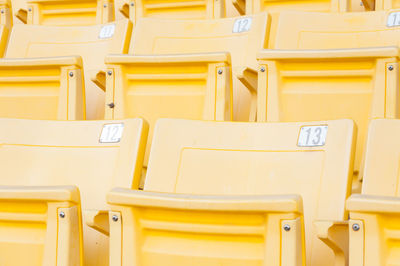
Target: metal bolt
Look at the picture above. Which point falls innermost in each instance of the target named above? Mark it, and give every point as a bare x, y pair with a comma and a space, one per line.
109, 73
390, 67
286, 227
132, 4
115, 218
262, 69
62, 214
111, 105
356, 227
220, 71
104, 5
2, 11
29, 9
71, 74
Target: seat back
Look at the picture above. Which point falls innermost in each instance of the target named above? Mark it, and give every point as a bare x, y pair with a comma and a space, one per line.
242, 37
311, 30
95, 156
225, 158
92, 43
333, 85
70, 13
382, 153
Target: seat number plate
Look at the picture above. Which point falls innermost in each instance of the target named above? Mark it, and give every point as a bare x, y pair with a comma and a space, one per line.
111, 133
242, 25
107, 31
311, 136
393, 19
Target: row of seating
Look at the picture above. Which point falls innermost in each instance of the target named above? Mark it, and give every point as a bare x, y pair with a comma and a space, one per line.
216, 75
90, 12
216, 193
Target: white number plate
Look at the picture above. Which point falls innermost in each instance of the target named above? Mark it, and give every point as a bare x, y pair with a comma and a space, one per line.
242, 25
107, 31
393, 19
111, 133
311, 136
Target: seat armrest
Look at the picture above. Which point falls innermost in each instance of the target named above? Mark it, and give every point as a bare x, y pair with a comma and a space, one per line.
178, 58
249, 78
335, 234
240, 6
280, 203
98, 220
373, 204
389, 51
42, 61
43, 193
124, 9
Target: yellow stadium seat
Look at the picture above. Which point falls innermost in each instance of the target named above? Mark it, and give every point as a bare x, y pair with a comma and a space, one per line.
374, 214
230, 193
172, 9
310, 78
66, 13
44, 163
182, 69
42, 85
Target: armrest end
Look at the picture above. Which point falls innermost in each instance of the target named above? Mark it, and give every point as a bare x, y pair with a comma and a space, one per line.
98, 220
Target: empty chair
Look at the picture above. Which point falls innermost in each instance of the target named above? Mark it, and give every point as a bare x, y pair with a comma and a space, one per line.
374, 214
224, 193
52, 170
66, 13
36, 83
309, 78
182, 69
173, 9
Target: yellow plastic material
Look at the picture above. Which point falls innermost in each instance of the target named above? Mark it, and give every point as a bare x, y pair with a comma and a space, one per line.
70, 12
45, 87
181, 69
315, 84
172, 9
374, 214
276, 6
43, 164
378, 5
222, 193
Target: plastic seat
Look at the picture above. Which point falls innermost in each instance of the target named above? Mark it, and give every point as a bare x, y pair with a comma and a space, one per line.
230, 193
374, 214
50, 171
309, 77
65, 13
182, 69
378, 5
173, 9
36, 83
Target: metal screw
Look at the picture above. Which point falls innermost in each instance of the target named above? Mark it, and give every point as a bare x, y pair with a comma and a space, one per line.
115, 218
62, 214
286, 227
356, 227
104, 5
109, 73
29, 9
220, 71
132, 4
111, 105
71, 74
390, 67
262, 69
2, 11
